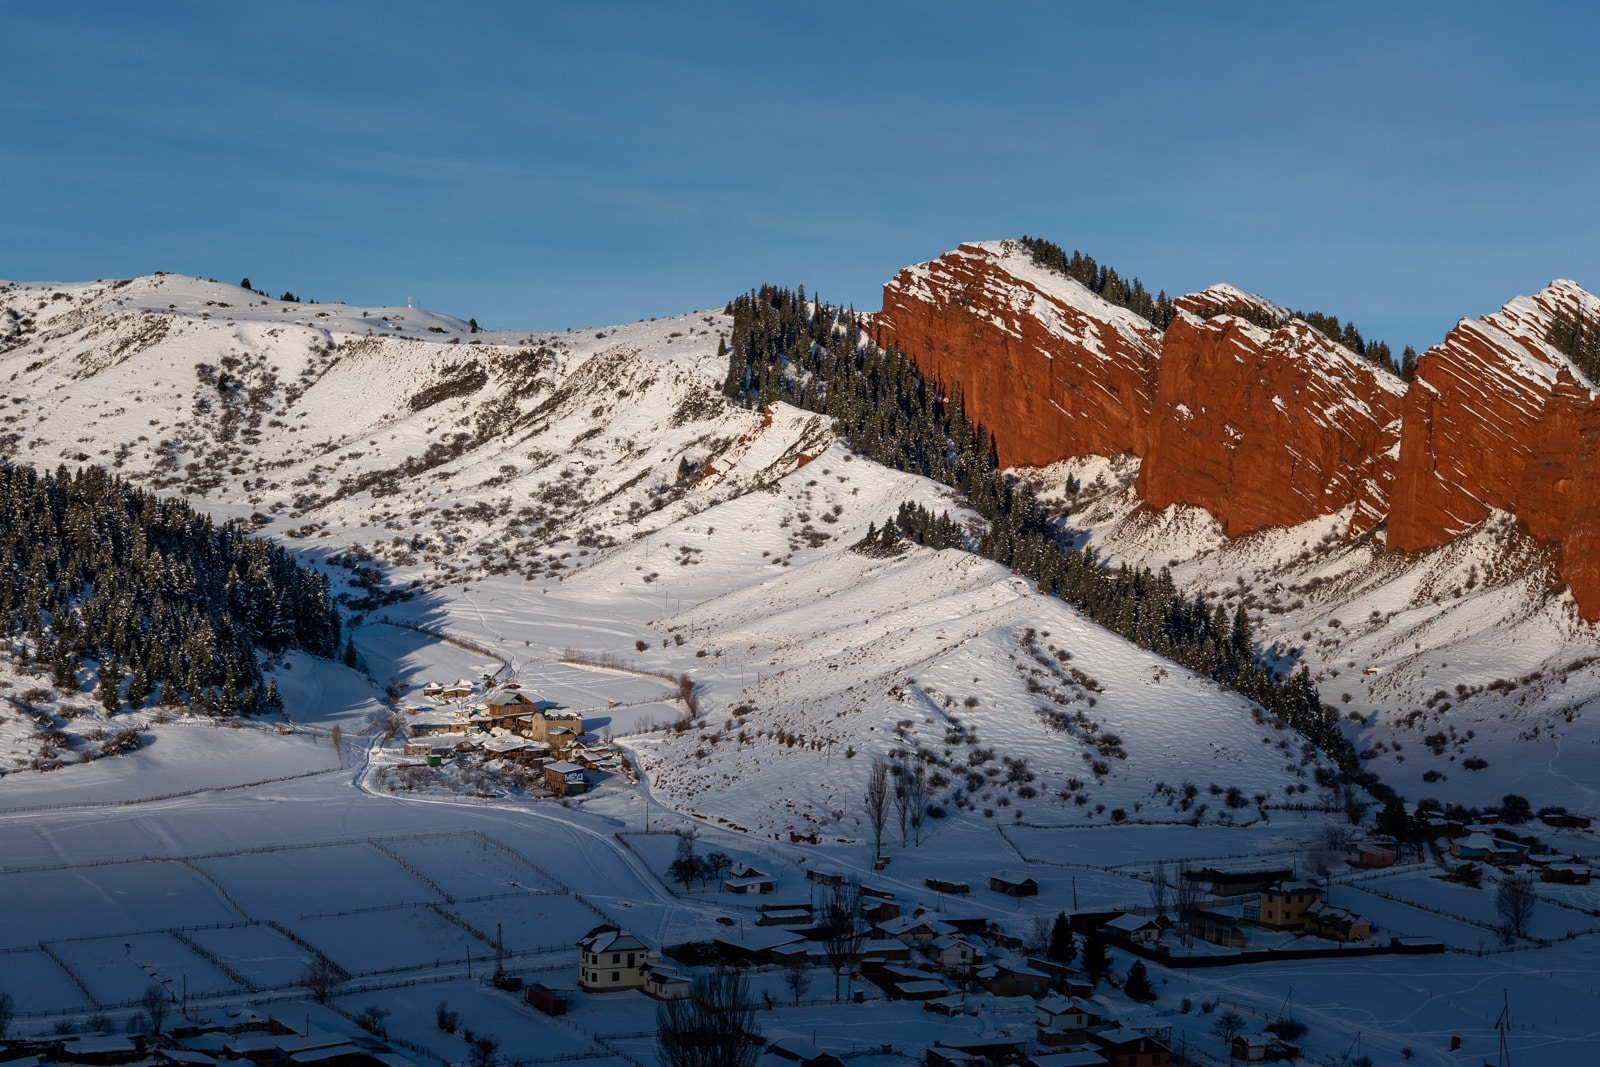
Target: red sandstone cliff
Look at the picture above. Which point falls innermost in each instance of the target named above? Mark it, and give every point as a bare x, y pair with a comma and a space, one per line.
1051, 368
1497, 419
1267, 427
1260, 428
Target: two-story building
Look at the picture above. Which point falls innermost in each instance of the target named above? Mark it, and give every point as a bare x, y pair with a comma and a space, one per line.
609, 959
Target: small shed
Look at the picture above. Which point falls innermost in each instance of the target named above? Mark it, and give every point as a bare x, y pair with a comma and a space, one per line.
1013, 884
545, 999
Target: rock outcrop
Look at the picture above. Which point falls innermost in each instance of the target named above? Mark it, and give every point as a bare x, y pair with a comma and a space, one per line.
1267, 427
1260, 419
1497, 419
1259, 427
1051, 368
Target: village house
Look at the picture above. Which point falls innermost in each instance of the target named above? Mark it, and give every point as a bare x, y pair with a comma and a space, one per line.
432, 690
1262, 1048
1013, 884
792, 1051
609, 959
564, 779
912, 928
1479, 845
1217, 928
1283, 906
876, 910
1137, 929
743, 878
1336, 924
1064, 1020
435, 723
1074, 1057
1130, 1048
1240, 881
460, 689
1004, 980
951, 951
664, 983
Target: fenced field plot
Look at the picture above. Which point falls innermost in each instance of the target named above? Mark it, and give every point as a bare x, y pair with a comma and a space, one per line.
261, 955
376, 942
37, 983
287, 883
113, 898
525, 1035
467, 865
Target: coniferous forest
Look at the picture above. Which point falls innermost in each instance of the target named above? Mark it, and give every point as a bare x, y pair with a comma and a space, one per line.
161, 597
814, 356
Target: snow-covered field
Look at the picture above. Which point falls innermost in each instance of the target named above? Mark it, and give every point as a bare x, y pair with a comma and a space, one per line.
586, 514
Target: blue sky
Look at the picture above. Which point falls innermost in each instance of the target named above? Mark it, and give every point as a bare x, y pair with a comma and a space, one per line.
546, 165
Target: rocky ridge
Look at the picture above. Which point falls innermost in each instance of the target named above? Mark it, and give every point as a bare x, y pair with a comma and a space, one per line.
1270, 427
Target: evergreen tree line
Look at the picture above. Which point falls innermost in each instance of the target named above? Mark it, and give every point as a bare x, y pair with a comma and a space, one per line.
1130, 293
813, 356
156, 593
1579, 341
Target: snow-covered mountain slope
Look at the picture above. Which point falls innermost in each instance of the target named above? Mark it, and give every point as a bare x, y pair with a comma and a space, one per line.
1439, 659
545, 492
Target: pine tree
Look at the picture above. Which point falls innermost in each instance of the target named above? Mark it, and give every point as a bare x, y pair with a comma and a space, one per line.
1063, 946
1137, 984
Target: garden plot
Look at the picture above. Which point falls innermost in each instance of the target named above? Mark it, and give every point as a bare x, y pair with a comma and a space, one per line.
109, 899
1471, 905
580, 688
532, 923
114, 974
260, 954
524, 1034
37, 983
465, 865
1276, 844
390, 940
289, 883
171, 960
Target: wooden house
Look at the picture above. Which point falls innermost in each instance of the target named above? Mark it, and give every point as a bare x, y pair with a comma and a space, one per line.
1004, 980
564, 779
952, 952
1136, 929
743, 878
1130, 1048
1013, 884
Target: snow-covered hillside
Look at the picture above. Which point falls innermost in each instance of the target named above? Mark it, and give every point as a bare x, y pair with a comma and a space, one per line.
1441, 659
548, 492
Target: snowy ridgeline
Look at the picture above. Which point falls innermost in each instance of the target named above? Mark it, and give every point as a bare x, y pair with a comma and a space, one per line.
535, 495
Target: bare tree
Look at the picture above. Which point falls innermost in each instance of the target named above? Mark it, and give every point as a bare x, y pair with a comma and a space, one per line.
322, 977
876, 801
902, 802
8, 1008
1186, 898
483, 1047
1159, 889
714, 1026
916, 787
1515, 900
154, 1001
797, 979
841, 930
1228, 1026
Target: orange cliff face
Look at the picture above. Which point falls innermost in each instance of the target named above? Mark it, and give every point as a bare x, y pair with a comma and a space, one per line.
1268, 427
1258, 427
1499, 420
1050, 368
